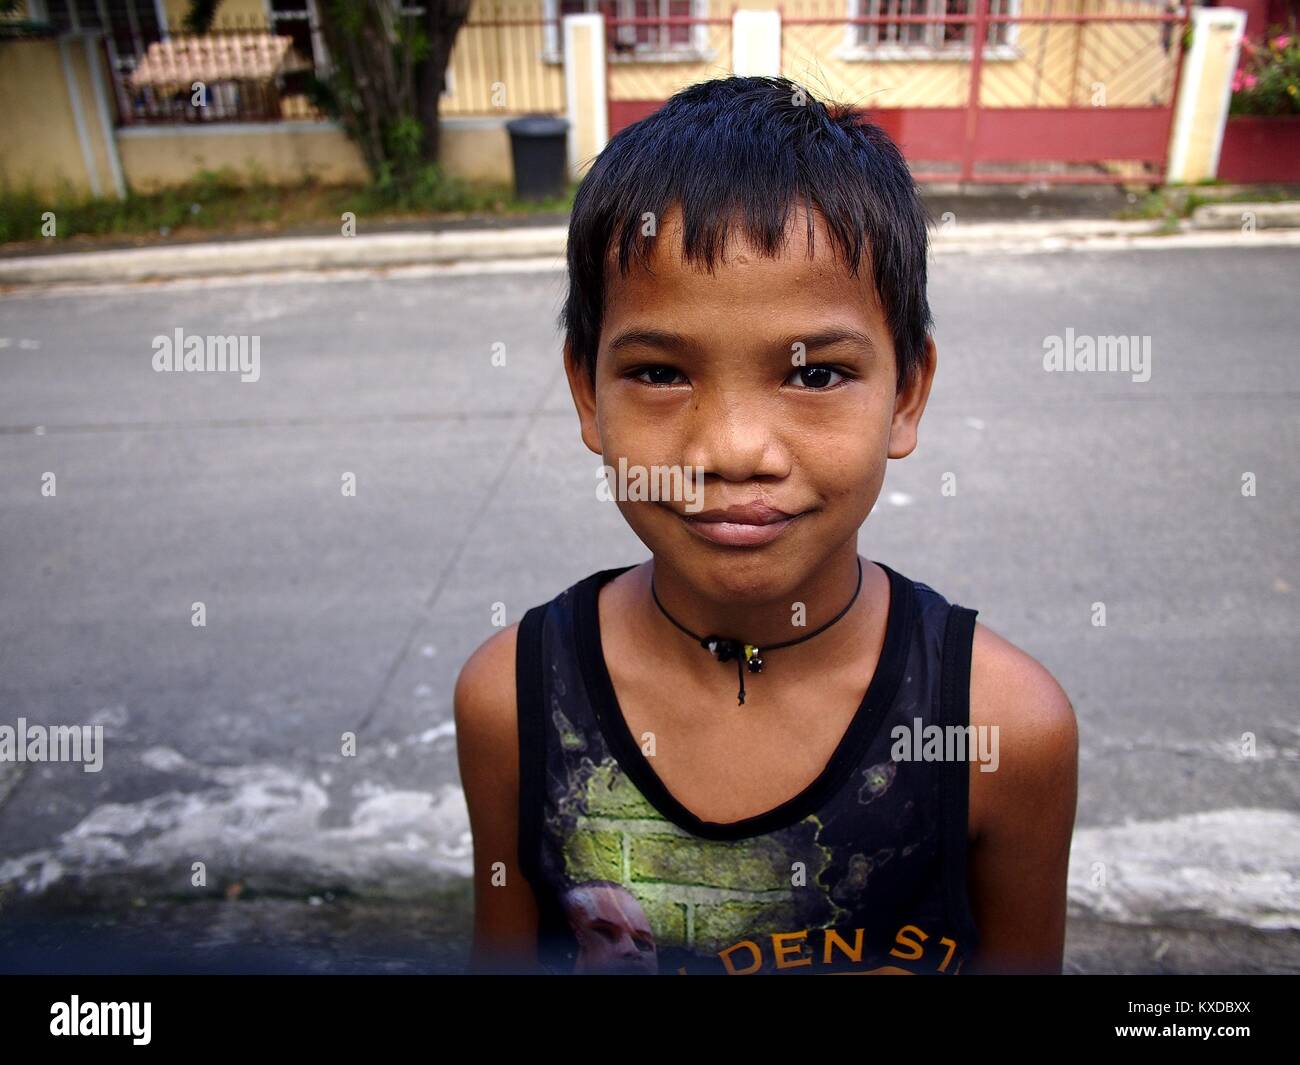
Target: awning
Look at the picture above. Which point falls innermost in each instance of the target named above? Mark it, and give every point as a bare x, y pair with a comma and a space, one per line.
217, 57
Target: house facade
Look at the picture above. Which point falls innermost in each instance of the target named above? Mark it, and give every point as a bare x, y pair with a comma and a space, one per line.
106, 94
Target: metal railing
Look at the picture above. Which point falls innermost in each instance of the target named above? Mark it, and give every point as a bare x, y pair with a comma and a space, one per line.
242, 70
1044, 95
506, 60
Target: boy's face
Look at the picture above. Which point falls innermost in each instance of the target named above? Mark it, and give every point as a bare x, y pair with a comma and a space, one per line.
735, 372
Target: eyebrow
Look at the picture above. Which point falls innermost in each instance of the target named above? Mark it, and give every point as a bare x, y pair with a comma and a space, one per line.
666, 339
636, 930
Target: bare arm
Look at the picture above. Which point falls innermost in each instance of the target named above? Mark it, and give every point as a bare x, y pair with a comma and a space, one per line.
487, 747
1022, 814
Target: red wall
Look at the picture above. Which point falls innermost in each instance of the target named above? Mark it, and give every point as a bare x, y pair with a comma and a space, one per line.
1260, 148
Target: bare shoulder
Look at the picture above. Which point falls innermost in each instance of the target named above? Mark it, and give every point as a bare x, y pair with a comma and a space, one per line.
1016, 689
1036, 732
487, 732
485, 689
1022, 809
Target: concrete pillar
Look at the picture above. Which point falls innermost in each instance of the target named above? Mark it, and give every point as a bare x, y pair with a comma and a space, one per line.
756, 43
1204, 93
584, 90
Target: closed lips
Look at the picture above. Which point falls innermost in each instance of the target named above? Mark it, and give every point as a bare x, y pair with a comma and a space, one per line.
751, 525
748, 514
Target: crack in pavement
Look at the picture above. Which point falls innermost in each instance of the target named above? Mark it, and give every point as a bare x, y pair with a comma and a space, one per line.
454, 555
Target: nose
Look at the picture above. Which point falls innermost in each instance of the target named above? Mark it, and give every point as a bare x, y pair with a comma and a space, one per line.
732, 436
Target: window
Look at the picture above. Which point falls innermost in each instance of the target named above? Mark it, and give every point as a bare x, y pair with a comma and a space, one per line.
653, 38
132, 24
292, 18
647, 41
926, 38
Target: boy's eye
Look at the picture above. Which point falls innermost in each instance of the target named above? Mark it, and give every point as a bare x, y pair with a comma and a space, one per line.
815, 378
657, 375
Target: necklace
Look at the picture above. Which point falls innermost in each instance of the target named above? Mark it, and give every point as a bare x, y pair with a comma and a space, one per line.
747, 655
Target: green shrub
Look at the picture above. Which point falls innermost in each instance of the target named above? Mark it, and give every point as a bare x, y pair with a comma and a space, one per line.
1268, 80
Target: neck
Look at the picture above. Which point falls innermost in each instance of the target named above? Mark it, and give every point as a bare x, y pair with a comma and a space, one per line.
789, 615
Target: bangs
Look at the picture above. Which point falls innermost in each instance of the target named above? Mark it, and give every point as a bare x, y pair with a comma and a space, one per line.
738, 154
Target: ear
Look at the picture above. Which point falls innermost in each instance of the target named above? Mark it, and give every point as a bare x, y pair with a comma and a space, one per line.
909, 404
583, 390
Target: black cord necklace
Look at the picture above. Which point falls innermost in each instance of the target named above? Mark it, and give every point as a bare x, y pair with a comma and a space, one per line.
747, 655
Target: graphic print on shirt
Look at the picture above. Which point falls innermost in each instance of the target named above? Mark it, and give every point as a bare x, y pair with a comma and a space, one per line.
646, 893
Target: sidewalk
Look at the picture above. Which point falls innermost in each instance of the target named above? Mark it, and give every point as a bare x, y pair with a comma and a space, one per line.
984, 219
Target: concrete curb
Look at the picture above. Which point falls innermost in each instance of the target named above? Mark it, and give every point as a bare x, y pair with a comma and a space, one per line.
293, 253
536, 242
980, 233
1237, 215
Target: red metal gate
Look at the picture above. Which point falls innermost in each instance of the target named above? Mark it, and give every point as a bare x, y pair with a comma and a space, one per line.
1079, 97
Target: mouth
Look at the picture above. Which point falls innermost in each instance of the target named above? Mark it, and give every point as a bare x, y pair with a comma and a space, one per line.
751, 525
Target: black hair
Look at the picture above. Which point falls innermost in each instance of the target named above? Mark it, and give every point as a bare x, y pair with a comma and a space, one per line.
744, 147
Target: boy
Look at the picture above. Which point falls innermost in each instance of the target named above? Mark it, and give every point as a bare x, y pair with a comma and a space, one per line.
772, 337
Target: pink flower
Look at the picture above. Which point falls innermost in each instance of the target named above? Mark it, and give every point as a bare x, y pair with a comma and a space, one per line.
1236, 81
1281, 41
1251, 81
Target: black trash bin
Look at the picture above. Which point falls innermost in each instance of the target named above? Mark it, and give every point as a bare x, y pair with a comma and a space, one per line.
539, 146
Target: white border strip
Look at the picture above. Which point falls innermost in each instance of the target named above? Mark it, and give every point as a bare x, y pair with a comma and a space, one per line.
79, 119
105, 120
240, 129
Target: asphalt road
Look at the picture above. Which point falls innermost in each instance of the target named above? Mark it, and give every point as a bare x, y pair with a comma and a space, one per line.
328, 613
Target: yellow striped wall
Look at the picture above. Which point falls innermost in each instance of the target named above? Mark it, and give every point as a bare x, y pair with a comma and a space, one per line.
1056, 64
44, 86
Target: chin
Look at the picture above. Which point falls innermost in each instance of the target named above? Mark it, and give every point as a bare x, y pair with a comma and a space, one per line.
751, 575
756, 582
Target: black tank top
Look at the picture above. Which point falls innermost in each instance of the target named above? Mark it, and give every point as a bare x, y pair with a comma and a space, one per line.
864, 871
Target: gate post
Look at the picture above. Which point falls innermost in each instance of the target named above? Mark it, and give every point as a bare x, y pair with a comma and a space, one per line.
973, 101
755, 43
586, 106
1204, 92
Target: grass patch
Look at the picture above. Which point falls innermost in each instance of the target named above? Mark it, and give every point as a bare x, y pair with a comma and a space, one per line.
1172, 203
227, 202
